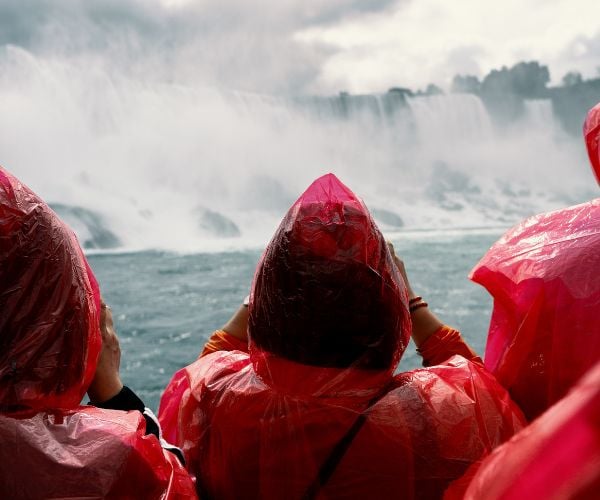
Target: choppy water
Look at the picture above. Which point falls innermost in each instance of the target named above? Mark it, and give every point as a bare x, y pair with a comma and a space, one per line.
166, 305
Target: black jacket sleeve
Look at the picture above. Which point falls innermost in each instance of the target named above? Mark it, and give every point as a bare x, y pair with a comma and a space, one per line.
127, 400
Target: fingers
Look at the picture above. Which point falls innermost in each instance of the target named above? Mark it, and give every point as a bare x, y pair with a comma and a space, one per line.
110, 341
107, 382
391, 248
400, 266
106, 319
396, 259
105, 316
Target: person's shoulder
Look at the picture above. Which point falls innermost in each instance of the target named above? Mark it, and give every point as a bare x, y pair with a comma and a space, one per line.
85, 415
457, 401
444, 382
99, 431
457, 388
217, 366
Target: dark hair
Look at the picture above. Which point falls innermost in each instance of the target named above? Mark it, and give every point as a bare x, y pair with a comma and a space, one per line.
324, 310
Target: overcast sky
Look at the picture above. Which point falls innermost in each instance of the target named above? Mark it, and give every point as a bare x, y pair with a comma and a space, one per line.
309, 46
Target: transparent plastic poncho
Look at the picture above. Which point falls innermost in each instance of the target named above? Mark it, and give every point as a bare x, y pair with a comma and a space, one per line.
543, 275
49, 346
328, 325
557, 456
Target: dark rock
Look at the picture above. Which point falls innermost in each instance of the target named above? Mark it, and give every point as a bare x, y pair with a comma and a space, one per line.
387, 218
89, 226
217, 224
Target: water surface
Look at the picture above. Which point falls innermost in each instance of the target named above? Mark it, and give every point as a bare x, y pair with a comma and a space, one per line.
166, 305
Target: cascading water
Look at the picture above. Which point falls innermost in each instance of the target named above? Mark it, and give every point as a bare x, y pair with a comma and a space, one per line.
165, 165
455, 118
539, 114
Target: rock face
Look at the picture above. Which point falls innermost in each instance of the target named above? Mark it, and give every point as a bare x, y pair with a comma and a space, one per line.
387, 218
88, 225
216, 224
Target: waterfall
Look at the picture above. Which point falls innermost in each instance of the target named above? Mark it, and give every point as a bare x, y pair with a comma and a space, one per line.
451, 118
165, 165
539, 115
539, 112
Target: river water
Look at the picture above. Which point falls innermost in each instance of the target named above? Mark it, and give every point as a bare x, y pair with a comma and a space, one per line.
166, 305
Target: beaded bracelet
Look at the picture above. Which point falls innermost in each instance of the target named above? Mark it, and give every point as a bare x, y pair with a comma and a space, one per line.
414, 307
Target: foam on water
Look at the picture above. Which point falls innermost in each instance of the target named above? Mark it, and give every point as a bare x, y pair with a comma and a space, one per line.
151, 157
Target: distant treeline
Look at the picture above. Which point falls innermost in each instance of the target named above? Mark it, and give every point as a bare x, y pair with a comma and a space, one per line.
503, 91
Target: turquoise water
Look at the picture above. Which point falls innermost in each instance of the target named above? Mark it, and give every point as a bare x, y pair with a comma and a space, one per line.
165, 305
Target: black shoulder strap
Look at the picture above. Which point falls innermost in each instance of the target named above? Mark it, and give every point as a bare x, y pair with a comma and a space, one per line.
338, 452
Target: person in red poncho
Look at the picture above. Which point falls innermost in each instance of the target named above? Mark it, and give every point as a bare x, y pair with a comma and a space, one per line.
57, 341
296, 397
543, 275
544, 346
557, 457
591, 134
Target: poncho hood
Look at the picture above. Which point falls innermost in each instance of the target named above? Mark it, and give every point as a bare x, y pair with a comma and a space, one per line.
543, 331
591, 133
49, 303
326, 291
543, 276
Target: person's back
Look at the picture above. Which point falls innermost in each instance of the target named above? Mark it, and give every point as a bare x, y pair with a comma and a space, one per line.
310, 407
245, 438
85, 452
556, 457
543, 275
50, 343
544, 346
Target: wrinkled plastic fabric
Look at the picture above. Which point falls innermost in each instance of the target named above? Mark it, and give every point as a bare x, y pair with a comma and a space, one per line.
556, 457
49, 303
86, 453
327, 258
49, 345
591, 133
543, 275
261, 425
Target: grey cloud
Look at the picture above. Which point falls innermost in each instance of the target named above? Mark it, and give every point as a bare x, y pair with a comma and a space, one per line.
464, 60
19, 22
39, 25
233, 43
331, 11
584, 52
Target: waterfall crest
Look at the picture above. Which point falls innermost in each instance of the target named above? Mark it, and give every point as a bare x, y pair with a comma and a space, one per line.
151, 158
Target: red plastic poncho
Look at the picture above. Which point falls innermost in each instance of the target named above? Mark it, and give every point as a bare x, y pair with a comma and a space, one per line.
543, 275
328, 325
49, 345
591, 133
556, 457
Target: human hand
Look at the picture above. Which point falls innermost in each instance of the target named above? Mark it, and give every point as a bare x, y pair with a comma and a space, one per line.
401, 269
424, 322
237, 326
107, 381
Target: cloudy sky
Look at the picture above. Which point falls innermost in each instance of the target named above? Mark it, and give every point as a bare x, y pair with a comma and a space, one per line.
309, 46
